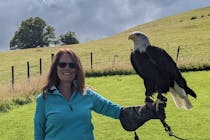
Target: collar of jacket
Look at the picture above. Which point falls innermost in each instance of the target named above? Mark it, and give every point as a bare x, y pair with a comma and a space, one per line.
54, 90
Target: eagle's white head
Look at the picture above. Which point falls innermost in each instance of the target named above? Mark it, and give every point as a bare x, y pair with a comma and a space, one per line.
140, 40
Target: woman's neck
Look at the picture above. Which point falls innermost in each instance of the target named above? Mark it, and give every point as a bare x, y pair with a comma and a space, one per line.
65, 89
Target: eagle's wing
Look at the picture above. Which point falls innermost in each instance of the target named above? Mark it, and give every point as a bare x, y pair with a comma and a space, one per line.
136, 63
145, 70
163, 61
178, 85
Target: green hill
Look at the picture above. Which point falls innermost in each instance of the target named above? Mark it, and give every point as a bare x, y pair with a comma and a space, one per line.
189, 30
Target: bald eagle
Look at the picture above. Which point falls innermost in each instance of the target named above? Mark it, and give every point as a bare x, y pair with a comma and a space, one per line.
159, 72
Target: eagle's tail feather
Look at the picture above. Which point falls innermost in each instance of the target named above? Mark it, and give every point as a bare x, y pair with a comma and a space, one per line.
180, 97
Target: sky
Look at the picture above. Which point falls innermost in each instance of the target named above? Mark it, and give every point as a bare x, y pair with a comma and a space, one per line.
89, 19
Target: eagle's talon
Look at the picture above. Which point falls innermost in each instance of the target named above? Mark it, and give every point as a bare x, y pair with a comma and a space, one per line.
160, 104
158, 101
162, 98
148, 100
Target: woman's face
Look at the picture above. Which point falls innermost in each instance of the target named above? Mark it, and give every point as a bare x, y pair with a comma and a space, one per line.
66, 68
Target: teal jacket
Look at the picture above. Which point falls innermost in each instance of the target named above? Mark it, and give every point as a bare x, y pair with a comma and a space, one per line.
56, 118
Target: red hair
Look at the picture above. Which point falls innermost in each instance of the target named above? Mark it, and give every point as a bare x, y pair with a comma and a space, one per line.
52, 78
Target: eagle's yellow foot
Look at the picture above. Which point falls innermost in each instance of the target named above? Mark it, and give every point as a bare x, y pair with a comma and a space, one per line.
148, 101
158, 101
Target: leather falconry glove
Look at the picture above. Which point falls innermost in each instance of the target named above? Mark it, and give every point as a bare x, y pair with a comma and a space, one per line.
133, 117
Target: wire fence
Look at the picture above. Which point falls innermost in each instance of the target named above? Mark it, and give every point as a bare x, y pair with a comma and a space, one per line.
91, 63
15, 73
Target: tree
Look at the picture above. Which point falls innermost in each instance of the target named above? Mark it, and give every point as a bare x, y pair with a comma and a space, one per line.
32, 33
69, 38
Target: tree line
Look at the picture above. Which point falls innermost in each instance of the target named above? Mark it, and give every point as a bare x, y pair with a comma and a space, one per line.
34, 32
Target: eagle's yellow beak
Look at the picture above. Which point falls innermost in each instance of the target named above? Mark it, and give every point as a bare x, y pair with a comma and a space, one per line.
130, 37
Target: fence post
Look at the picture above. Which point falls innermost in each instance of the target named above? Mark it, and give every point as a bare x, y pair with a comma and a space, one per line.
40, 66
114, 60
52, 55
91, 60
131, 50
13, 78
177, 55
28, 70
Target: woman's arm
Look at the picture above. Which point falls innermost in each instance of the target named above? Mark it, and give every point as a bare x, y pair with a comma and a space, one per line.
131, 117
104, 106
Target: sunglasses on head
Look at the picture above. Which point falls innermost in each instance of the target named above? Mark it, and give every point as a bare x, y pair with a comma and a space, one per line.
63, 65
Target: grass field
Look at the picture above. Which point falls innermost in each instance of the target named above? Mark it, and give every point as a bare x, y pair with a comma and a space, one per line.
127, 91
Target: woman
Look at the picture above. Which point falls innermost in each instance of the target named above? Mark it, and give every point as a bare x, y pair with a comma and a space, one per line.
63, 109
